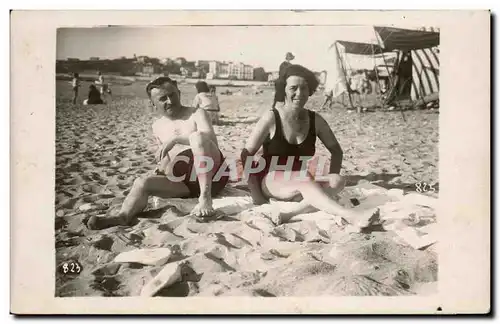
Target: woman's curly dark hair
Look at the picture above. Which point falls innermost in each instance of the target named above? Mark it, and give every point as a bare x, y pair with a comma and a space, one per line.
295, 70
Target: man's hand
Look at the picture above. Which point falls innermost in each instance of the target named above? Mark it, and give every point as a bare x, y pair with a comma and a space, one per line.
164, 149
165, 166
158, 154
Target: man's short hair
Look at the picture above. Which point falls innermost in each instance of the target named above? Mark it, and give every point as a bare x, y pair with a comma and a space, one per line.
158, 82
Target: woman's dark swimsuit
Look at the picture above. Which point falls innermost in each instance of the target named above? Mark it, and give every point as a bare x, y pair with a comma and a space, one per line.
279, 148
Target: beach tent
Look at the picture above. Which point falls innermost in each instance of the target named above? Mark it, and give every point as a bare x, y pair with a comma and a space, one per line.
410, 59
415, 78
349, 56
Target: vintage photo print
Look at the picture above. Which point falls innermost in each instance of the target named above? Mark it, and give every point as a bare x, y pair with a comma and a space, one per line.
280, 162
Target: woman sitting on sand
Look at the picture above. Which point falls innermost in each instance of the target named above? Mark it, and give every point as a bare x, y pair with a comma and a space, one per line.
290, 132
182, 176
94, 97
207, 99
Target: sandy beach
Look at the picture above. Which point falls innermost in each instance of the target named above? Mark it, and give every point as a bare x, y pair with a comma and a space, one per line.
102, 149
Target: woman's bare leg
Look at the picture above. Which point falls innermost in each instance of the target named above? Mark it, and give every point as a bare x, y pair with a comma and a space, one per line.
277, 185
334, 184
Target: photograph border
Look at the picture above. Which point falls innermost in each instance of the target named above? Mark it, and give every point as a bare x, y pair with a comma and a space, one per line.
464, 165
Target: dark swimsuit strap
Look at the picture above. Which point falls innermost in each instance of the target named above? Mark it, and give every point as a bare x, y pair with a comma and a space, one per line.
279, 127
277, 121
312, 123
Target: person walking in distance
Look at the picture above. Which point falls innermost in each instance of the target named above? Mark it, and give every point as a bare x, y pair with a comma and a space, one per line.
75, 83
283, 66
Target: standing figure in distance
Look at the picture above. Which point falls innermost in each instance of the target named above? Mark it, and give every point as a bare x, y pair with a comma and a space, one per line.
75, 83
283, 66
206, 98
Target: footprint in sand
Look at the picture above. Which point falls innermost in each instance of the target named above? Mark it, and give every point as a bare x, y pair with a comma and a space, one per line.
68, 203
105, 195
92, 188
124, 171
76, 180
110, 173
87, 178
136, 163
60, 223
102, 182
365, 286
74, 167
90, 198
104, 242
123, 178
107, 270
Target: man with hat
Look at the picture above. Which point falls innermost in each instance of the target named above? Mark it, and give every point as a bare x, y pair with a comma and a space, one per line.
283, 66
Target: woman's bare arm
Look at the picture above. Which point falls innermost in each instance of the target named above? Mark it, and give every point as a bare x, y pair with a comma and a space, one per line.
328, 139
252, 145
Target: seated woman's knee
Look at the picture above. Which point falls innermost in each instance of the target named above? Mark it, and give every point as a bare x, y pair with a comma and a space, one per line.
336, 181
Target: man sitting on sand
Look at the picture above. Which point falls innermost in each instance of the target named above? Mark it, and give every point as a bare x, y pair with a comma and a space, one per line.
175, 178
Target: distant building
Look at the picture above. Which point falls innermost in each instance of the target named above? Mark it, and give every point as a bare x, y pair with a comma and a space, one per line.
148, 69
94, 58
202, 63
180, 61
141, 59
165, 60
273, 76
230, 70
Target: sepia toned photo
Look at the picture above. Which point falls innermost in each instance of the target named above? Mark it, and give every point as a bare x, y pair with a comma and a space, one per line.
249, 160
361, 221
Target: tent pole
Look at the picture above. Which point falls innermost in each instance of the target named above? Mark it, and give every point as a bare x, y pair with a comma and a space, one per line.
385, 62
345, 76
386, 66
376, 69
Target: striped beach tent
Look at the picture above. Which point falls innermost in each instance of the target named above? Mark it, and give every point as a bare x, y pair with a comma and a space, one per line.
416, 70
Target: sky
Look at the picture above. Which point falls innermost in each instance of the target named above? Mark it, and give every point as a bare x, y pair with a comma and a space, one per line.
259, 46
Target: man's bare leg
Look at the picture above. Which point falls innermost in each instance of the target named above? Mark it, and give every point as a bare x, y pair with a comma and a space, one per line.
275, 185
203, 146
137, 200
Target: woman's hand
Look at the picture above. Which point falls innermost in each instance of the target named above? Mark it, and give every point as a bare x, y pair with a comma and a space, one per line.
259, 200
